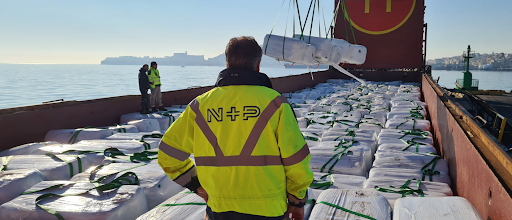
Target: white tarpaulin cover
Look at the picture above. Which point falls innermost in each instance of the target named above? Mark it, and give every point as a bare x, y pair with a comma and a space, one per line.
124, 203
352, 163
180, 212
365, 202
430, 189
64, 136
146, 125
26, 148
52, 169
14, 182
446, 208
405, 174
164, 121
123, 129
156, 184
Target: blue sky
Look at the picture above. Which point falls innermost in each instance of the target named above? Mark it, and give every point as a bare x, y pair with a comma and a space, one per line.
64, 31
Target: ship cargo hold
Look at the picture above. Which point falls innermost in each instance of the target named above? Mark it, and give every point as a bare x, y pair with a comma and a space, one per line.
480, 172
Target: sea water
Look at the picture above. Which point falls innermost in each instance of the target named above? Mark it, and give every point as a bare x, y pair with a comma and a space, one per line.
32, 84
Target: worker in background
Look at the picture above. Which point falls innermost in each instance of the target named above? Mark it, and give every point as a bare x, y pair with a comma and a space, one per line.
143, 87
251, 161
156, 93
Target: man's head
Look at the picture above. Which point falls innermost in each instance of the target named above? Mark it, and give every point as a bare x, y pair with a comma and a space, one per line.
153, 65
145, 66
243, 52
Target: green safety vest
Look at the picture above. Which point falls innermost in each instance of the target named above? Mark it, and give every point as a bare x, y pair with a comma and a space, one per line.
154, 77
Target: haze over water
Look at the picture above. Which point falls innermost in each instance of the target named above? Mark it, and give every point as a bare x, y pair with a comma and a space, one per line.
29, 84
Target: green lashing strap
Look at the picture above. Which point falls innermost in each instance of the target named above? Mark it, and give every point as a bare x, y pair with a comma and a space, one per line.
170, 116
146, 145
339, 155
73, 138
413, 124
403, 190
79, 161
412, 142
120, 129
181, 204
5, 161
322, 183
346, 210
430, 172
143, 156
114, 184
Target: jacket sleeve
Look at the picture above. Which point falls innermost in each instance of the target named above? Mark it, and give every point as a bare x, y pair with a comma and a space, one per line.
295, 155
175, 149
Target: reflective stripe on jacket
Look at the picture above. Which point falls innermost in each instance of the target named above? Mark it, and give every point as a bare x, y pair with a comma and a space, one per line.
154, 77
247, 146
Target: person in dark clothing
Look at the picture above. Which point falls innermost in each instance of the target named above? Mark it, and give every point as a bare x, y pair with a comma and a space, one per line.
143, 87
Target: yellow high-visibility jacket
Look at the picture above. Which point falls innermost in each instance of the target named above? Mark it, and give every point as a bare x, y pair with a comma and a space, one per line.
154, 77
248, 149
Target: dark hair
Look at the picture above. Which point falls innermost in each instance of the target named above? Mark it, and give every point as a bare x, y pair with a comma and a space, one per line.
243, 52
144, 65
153, 63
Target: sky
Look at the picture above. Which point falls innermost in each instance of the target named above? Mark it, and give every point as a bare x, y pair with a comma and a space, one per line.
86, 32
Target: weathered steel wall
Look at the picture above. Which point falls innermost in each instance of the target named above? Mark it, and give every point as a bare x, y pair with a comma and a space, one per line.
472, 177
392, 31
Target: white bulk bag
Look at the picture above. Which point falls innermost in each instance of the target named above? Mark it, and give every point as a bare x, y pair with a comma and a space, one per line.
430, 189
408, 124
26, 148
386, 132
368, 151
365, 202
323, 46
406, 98
340, 108
14, 182
125, 146
408, 104
123, 129
393, 139
423, 149
146, 125
352, 163
358, 55
164, 121
403, 114
412, 161
64, 136
153, 142
50, 168
445, 208
406, 174
346, 49
156, 184
309, 55
284, 48
180, 212
341, 181
124, 203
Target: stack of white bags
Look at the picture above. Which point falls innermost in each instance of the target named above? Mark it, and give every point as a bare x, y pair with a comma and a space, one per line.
363, 138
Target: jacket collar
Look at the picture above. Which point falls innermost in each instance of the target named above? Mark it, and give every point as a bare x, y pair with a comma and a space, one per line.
235, 76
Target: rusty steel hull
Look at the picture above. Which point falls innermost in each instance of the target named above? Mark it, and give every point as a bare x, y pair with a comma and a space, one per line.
478, 169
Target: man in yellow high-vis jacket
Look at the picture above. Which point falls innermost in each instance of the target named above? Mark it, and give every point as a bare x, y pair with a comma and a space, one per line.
251, 161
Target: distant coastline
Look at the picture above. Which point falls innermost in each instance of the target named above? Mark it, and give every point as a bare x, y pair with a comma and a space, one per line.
181, 59
488, 62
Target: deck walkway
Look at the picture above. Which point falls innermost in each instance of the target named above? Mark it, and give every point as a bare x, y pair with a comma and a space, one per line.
502, 104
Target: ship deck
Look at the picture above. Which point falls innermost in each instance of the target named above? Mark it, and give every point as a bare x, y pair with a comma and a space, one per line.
502, 104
